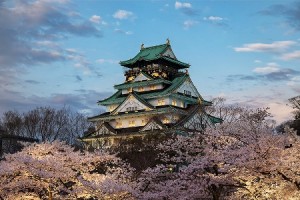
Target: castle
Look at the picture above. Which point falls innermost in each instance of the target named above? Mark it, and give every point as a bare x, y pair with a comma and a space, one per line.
158, 95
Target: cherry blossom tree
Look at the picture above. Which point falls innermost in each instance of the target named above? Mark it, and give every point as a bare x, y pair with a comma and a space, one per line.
243, 159
239, 159
55, 170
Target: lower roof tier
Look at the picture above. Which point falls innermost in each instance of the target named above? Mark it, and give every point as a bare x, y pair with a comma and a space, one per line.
195, 119
107, 116
118, 97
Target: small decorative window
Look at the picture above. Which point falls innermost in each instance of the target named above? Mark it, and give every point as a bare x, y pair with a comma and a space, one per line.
131, 109
143, 122
111, 108
161, 102
152, 87
182, 104
186, 92
174, 102
131, 123
141, 89
129, 90
166, 120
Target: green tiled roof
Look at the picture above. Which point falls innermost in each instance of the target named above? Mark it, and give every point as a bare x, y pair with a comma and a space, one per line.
138, 98
157, 110
175, 61
141, 83
153, 53
112, 99
176, 82
118, 98
185, 98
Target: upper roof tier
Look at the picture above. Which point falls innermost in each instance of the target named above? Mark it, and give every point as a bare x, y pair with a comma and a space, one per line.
162, 53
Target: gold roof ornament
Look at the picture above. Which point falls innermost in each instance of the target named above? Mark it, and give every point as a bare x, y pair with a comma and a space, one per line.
130, 78
142, 46
168, 41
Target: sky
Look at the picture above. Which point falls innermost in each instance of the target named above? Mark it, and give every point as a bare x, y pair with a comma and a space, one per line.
66, 52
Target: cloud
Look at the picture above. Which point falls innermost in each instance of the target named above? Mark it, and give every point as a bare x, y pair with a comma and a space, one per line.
220, 21
257, 61
31, 33
272, 72
234, 77
80, 62
213, 19
78, 78
269, 73
280, 75
294, 83
278, 108
291, 13
189, 23
270, 68
185, 7
277, 46
95, 19
109, 61
179, 5
33, 82
80, 101
122, 14
295, 55
117, 30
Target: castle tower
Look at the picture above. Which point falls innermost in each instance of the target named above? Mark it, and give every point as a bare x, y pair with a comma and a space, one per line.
157, 95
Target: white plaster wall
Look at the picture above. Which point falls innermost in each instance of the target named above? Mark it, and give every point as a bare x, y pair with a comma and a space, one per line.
187, 85
168, 101
172, 118
154, 102
114, 106
146, 88
125, 121
131, 102
113, 123
141, 77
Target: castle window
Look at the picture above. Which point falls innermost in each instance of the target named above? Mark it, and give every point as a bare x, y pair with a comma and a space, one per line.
128, 109
141, 89
174, 102
161, 102
143, 122
186, 92
129, 90
152, 87
131, 123
166, 120
111, 108
182, 104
